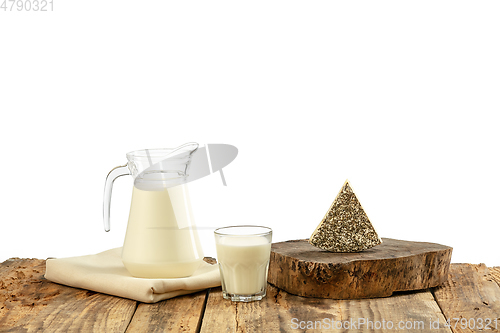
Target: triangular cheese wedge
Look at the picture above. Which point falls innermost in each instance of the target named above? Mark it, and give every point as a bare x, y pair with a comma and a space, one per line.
345, 227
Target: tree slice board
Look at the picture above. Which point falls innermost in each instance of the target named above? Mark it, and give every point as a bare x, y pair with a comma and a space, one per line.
395, 265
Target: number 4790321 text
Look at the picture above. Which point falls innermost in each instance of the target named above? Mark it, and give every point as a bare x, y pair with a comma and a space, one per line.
27, 5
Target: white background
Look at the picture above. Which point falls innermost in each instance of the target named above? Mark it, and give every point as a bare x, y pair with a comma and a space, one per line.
401, 98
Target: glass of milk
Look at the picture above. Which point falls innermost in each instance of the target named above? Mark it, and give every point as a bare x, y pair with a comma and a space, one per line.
243, 255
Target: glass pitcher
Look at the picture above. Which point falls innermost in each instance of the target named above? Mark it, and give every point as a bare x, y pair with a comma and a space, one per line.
161, 239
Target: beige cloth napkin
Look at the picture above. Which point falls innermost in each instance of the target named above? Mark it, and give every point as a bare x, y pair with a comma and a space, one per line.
104, 272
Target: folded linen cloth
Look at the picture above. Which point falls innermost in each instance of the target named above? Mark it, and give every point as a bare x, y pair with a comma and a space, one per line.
105, 273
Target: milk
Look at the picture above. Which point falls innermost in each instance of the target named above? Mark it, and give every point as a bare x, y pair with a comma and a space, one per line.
243, 263
160, 240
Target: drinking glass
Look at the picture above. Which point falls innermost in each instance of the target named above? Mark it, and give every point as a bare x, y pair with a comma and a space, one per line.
243, 254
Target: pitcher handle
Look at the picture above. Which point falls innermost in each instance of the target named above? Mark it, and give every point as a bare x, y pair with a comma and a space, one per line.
108, 187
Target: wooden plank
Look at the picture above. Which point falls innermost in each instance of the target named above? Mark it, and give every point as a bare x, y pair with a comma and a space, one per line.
410, 312
395, 265
16, 307
280, 311
220, 314
495, 274
30, 303
470, 299
179, 314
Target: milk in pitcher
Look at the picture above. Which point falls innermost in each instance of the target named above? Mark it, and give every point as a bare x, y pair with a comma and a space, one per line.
160, 241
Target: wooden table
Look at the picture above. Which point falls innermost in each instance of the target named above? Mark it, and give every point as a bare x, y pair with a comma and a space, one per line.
29, 303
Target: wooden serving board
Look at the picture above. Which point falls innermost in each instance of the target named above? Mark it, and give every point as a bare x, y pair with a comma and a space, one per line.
395, 265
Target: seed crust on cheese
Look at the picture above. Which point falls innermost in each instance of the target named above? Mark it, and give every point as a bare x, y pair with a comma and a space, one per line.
345, 227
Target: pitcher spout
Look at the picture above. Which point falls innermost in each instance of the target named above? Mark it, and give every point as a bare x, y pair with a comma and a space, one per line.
158, 169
